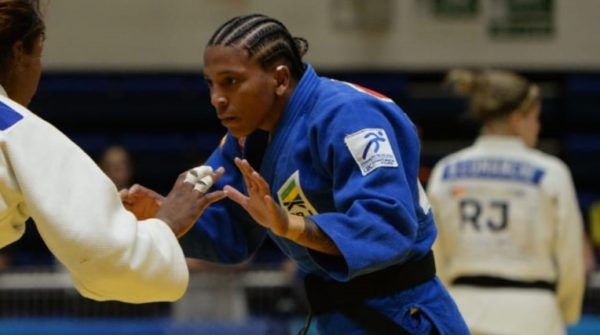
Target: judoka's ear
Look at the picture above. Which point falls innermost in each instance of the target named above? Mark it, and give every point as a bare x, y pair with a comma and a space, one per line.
282, 79
18, 51
514, 120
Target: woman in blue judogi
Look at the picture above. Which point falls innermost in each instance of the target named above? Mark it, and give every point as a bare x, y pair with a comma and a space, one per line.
328, 170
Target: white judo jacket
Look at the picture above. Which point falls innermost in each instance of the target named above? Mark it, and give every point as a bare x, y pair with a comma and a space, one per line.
509, 211
77, 210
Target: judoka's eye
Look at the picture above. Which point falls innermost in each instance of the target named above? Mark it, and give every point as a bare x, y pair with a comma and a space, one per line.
229, 81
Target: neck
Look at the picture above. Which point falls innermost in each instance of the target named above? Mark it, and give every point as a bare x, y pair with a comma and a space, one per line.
498, 127
279, 108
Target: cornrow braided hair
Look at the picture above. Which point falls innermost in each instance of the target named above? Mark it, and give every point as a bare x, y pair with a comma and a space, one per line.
264, 38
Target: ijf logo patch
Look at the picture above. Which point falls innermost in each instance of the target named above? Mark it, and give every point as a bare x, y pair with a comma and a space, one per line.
292, 199
371, 149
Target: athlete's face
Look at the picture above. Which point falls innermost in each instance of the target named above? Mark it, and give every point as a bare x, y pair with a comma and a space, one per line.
529, 125
243, 93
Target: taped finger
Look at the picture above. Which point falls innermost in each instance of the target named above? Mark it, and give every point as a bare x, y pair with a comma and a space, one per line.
194, 175
202, 188
208, 181
203, 184
190, 178
201, 171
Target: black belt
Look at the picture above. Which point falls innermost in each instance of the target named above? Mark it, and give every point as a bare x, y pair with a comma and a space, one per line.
349, 297
498, 282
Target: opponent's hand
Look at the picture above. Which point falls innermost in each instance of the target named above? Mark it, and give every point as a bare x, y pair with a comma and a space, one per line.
143, 202
259, 204
185, 203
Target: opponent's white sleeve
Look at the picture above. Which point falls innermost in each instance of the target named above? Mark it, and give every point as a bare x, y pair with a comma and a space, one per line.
569, 247
110, 255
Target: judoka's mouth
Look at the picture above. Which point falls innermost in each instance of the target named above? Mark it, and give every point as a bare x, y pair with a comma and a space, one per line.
226, 121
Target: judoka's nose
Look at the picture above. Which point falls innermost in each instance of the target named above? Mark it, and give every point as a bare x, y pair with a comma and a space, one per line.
219, 101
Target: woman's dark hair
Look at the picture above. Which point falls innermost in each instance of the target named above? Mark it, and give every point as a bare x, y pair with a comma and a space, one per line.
494, 93
20, 20
264, 38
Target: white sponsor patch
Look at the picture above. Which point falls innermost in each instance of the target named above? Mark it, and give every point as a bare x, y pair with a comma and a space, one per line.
371, 149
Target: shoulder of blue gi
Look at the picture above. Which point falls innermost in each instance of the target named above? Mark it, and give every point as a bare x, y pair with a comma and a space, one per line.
370, 148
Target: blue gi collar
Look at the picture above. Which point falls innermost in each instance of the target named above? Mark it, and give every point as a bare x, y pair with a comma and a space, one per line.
304, 95
301, 101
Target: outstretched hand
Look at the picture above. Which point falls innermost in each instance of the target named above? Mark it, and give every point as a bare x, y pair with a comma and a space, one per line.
266, 212
258, 203
180, 209
143, 202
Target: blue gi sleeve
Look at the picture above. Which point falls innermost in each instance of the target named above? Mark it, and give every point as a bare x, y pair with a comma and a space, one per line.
225, 233
376, 221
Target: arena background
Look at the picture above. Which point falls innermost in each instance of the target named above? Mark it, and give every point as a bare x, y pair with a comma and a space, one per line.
129, 72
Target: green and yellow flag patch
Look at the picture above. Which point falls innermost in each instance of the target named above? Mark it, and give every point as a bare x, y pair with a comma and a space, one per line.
292, 199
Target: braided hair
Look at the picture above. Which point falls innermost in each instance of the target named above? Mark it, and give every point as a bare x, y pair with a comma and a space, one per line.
264, 38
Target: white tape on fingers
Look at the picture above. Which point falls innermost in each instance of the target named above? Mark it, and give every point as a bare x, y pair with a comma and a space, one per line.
190, 178
203, 184
202, 171
194, 175
202, 188
208, 181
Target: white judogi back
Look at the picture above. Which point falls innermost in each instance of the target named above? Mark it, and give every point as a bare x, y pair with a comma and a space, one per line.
505, 210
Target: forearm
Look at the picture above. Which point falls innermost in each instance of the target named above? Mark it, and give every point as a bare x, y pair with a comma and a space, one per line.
13, 212
152, 268
78, 213
12, 226
306, 232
